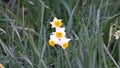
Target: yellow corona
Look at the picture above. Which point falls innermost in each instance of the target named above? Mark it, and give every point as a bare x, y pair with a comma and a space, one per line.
51, 43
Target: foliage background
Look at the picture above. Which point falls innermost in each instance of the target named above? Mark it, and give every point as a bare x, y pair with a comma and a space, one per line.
89, 23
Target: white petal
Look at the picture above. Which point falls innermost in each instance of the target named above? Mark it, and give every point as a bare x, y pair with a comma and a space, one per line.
64, 39
53, 37
117, 37
55, 19
60, 29
52, 23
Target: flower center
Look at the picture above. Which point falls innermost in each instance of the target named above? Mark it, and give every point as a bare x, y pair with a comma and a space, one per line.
59, 34
58, 23
65, 45
51, 43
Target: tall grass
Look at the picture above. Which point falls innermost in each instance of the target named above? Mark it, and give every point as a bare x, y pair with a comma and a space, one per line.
89, 23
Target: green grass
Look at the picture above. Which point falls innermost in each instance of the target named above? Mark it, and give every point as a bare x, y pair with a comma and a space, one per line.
89, 23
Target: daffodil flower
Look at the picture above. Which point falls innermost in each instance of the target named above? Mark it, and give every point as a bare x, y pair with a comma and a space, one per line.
117, 34
56, 23
53, 40
58, 37
60, 32
63, 42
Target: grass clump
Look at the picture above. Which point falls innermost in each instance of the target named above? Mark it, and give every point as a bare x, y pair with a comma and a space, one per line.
25, 29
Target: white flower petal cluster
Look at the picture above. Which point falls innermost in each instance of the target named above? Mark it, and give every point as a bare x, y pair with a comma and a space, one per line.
59, 36
117, 34
56, 23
